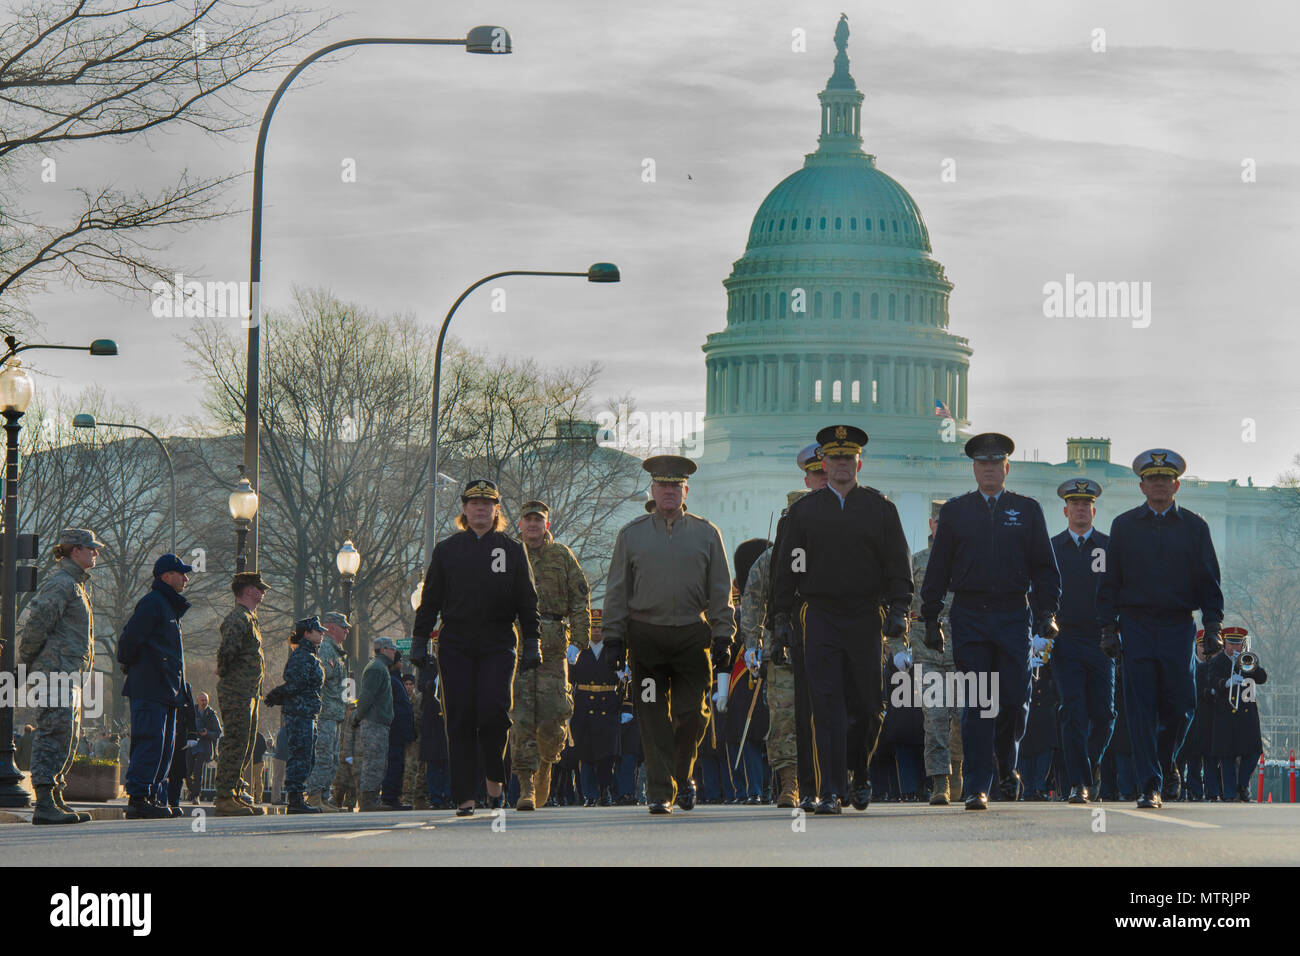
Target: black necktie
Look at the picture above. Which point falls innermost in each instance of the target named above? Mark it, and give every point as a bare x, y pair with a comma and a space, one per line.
1082, 543
993, 505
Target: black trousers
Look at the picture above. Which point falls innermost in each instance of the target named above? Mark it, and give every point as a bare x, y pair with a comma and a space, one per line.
673, 721
807, 764
476, 697
844, 657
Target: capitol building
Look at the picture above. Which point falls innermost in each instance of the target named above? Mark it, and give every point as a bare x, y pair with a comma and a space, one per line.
838, 313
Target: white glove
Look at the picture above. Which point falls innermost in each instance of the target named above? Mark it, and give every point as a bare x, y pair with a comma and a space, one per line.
1035, 660
714, 697
1041, 644
572, 654
903, 660
753, 656
625, 718
1235, 679
625, 674
347, 759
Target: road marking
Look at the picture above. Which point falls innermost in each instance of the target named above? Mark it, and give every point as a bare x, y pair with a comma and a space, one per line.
1147, 815
360, 833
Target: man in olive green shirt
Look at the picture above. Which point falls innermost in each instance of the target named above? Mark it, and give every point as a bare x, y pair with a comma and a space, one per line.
668, 597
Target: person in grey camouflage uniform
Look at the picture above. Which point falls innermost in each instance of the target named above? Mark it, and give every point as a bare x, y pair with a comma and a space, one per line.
58, 637
373, 717
333, 659
345, 778
942, 724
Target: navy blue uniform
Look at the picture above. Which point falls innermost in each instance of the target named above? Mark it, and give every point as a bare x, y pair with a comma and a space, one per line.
1158, 570
1085, 677
1233, 736
855, 560
997, 561
303, 677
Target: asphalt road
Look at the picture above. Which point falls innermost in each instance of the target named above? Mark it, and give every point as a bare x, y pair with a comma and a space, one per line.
1033, 834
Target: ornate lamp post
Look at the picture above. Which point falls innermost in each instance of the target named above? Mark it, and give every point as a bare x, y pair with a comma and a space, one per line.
348, 560
243, 508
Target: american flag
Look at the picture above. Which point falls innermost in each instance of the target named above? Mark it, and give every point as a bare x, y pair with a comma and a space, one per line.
941, 409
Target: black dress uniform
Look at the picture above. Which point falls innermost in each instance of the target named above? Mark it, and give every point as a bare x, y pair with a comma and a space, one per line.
1200, 770
1159, 567
1085, 677
990, 552
1235, 739
480, 585
1042, 733
597, 705
847, 557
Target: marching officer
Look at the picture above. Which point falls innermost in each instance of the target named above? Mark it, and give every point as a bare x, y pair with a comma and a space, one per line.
543, 705
844, 551
991, 547
668, 601
1235, 740
941, 721
1160, 565
1085, 677
597, 706
481, 582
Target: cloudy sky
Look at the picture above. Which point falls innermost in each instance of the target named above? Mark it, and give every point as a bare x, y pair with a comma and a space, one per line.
1117, 166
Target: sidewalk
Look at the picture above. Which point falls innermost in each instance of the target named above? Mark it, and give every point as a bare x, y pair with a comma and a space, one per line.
112, 810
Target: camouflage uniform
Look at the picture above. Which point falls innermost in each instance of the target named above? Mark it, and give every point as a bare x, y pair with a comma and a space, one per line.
239, 693
543, 702
782, 751
375, 708
345, 778
942, 724
303, 677
415, 776
326, 759
58, 637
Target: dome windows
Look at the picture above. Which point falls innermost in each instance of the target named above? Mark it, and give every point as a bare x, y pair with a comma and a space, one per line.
835, 308
839, 223
817, 305
780, 309
835, 392
875, 305
882, 225
895, 222
823, 222
857, 393
853, 224
807, 223
857, 307
781, 227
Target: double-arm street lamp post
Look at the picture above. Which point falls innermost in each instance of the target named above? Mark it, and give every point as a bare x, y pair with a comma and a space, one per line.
483, 39
16, 391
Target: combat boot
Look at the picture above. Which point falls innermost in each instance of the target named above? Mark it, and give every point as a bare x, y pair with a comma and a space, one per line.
542, 783
247, 800
142, 808
369, 802
789, 798
47, 811
940, 795
526, 799
57, 794
230, 807
954, 781
325, 803
422, 802
296, 804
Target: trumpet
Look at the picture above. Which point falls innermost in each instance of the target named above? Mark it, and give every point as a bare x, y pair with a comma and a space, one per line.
1244, 664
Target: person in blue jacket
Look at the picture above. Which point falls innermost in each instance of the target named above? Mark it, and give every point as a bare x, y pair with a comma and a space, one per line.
152, 654
303, 679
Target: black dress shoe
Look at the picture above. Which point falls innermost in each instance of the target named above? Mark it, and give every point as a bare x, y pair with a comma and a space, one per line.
977, 801
862, 797
496, 803
657, 809
176, 811
1173, 785
1009, 787
1243, 794
1150, 800
397, 805
686, 799
829, 806
752, 800
464, 811
606, 800
1078, 795
589, 802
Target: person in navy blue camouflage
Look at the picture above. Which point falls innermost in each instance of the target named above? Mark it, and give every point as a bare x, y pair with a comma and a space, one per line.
303, 679
1160, 566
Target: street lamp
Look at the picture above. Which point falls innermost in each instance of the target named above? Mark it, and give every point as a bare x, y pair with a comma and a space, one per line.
243, 508
481, 39
349, 563
88, 421
16, 391
598, 272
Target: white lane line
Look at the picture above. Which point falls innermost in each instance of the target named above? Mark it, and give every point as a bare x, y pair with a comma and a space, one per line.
1155, 815
360, 833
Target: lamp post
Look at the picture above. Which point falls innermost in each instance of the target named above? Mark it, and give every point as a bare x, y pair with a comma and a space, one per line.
16, 391
482, 39
598, 272
88, 421
348, 561
243, 508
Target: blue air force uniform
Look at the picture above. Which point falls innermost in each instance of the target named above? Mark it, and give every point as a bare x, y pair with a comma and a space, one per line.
1159, 568
994, 554
1085, 677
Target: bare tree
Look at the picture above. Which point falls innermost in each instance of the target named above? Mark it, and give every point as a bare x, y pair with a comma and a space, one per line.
85, 70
